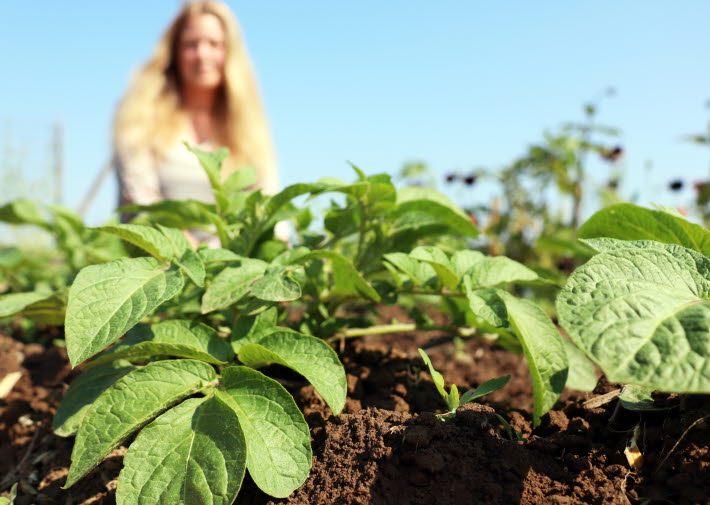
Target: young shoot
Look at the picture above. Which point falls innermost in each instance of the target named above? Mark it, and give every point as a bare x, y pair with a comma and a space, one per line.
452, 399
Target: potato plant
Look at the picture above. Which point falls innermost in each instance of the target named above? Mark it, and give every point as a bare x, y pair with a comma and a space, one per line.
172, 340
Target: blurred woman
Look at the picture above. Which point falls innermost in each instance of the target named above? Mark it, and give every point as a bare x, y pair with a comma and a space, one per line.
199, 87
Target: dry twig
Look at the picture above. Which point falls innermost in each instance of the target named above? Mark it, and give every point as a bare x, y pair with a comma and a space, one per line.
675, 446
15, 472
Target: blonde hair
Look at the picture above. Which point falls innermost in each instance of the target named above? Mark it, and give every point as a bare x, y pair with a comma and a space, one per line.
150, 116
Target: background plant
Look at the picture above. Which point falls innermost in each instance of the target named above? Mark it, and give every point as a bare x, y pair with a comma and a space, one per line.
34, 280
532, 225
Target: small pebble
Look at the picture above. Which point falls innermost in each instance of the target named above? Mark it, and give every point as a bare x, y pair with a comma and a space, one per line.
25, 421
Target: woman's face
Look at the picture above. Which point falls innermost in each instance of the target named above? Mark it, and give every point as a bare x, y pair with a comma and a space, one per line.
201, 52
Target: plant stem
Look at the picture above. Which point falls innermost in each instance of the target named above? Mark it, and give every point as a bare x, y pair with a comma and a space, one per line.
376, 330
394, 328
443, 292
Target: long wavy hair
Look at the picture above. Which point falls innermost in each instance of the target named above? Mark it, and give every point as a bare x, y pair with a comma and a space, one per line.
151, 115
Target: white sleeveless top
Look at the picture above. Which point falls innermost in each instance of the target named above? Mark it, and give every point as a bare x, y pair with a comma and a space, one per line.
177, 176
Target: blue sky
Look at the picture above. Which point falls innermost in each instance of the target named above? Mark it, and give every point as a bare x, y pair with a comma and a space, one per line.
454, 84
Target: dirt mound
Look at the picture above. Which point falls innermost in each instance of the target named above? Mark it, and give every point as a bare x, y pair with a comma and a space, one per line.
382, 457
388, 447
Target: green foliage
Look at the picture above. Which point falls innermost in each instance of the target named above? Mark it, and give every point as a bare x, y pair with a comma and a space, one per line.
11, 499
171, 338
278, 441
544, 350
83, 391
190, 454
452, 399
635, 397
170, 373
33, 282
105, 301
309, 356
542, 194
640, 310
479, 280
582, 374
178, 338
129, 404
626, 221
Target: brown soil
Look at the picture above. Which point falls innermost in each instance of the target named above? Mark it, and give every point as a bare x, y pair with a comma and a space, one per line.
389, 448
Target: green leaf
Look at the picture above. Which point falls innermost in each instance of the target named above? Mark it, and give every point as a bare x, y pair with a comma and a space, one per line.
107, 300
309, 356
211, 162
11, 499
14, 303
276, 285
166, 244
544, 350
130, 403
287, 194
278, 441
10, 257
360, 174
561, 245
603, 244
486, 388
428, 201
439, 262
582, 374
612, 244
231, 284
382, 196
210, 256
630, 222
291, 256
463, 261
452, 399
346, 279
435, 376
191, 264
642, 314
185, 257
416, 223
179, 338
485, 305
50, 310
499, 270
357, 190
193, 454
82, 392
182, 214
639, 398
419, 272
148, 238
668, 210
249, 328
22, 211
240, 180
341, 222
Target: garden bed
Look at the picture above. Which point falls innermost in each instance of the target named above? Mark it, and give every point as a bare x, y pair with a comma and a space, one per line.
387, 447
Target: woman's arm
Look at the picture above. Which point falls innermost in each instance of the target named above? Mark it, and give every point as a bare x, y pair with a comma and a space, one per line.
138, 180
